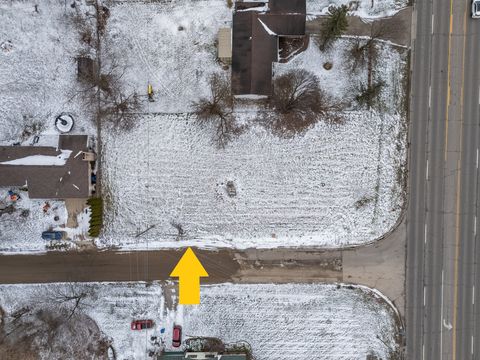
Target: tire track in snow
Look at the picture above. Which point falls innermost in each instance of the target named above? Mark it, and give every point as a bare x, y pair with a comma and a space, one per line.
134, 15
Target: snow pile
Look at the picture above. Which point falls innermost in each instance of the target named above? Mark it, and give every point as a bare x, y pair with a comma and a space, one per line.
366, 9
285, 322
41, 160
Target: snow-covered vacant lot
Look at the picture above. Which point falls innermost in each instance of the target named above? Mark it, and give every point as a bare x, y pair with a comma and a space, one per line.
333, 186
281, 322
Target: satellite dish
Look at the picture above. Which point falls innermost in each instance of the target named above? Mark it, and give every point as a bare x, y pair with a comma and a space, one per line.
64, 123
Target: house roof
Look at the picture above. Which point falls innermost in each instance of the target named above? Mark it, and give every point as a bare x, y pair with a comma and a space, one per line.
255, 41
70, 180
288, 7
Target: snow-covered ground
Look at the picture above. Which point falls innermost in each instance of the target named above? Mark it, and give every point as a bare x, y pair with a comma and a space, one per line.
170, 45
166, 172
22, 230
38, 71
281, 322
39, 43
302, 191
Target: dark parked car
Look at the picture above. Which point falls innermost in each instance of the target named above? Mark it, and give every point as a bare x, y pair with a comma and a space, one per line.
141, 324
177, 336
52, 235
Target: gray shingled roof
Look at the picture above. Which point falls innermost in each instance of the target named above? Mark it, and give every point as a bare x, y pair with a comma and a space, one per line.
71, 180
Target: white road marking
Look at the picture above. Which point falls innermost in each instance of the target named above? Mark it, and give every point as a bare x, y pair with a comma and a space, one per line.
430, 96
425, 233
423, 351
424, 296
426, 173
473, 295
433, 21
475, 225
441, 327
477, 158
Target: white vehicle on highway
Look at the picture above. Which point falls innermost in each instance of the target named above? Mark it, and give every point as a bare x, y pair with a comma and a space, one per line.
475, 9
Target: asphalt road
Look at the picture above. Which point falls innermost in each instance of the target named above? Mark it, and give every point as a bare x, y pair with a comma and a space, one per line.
443, 321
110, 266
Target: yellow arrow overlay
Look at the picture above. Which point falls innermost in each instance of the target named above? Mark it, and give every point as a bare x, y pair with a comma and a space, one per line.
189, 270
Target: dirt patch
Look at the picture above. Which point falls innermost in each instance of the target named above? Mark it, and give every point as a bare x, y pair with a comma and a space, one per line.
289, 266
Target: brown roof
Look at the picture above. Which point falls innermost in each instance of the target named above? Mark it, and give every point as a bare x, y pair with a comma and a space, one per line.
255, 41
48, 182
285, 24
288, 6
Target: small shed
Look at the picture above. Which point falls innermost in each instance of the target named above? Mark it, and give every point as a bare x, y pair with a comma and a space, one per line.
225, 45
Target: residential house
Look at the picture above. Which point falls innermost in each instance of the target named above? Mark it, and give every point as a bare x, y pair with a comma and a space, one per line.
257, 28
48, 172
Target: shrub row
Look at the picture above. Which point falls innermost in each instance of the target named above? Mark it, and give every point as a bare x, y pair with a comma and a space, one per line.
96, 217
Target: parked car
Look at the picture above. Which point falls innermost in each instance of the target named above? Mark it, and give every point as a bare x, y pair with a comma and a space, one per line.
177, 336
52, 235
141, 324
475, 9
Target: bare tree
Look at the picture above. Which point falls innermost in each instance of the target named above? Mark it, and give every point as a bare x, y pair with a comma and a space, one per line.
118, 108
45, 332
217, 109
364, 51
71, 296
358, 53
106, 92
300, 103
369, 94
387, 28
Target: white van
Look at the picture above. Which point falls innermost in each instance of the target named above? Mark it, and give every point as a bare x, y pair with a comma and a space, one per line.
475, 9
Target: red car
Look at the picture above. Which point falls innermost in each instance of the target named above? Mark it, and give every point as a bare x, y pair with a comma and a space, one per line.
141, 324
177, 336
